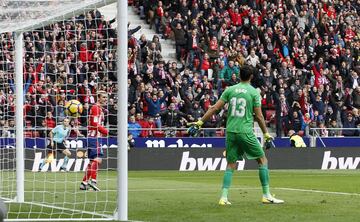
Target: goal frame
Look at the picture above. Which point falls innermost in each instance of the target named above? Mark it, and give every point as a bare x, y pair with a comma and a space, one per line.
122, 158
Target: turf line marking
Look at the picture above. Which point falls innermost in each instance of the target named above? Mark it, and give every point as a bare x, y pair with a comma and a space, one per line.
104, 216
246, 188
317, 191
234, 176
68, 209
58, 219
188, 189
6, 199
65, 219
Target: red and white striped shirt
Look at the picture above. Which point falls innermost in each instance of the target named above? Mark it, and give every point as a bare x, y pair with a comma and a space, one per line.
96, 126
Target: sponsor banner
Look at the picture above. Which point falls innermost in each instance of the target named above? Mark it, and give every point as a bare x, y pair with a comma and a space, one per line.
183, 142
192, 159
78, 160
216, 142
338, 142
280, 142
196, 159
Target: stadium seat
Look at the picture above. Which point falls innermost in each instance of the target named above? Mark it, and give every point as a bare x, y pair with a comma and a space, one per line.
220, 133
159, 133
35, 134
181, 133
27, 134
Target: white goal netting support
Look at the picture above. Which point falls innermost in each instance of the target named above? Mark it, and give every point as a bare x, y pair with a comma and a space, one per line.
53, 51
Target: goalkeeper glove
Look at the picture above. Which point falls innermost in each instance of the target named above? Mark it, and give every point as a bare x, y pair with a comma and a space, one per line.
268, 141
194, 129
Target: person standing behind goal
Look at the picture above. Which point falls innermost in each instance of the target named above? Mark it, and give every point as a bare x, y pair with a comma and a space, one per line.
96, 130
244, 101
58, 137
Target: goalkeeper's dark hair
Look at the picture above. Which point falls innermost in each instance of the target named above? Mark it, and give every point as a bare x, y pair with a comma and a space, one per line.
246, 72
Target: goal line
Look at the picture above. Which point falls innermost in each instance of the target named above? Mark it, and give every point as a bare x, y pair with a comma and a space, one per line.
102, 217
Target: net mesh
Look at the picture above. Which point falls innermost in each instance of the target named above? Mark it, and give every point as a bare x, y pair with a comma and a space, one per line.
72, 58
24, 15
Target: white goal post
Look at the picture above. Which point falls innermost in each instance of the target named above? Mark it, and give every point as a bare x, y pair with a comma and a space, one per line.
37, 196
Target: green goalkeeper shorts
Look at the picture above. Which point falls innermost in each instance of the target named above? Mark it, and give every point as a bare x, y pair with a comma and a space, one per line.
242, 145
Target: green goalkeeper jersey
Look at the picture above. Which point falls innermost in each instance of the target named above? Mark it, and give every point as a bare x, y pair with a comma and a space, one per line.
242, 98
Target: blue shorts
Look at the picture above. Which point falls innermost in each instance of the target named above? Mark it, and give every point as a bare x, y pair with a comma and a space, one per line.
94, 149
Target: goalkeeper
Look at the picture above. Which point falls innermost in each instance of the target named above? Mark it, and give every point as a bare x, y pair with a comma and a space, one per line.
244, 102
58, 137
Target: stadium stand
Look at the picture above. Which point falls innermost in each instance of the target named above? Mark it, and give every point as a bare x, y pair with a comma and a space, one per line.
307, 54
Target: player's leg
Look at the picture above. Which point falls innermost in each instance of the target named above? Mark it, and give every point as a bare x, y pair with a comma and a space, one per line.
264, 175
84, 183
88, 172
227, 179
67, 155
94, 169
89, 179
232, 155
254, 150
95, 155
97, 160
264, 179
49, 157
91, 154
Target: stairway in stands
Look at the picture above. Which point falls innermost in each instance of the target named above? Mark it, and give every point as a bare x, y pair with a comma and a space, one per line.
168, 46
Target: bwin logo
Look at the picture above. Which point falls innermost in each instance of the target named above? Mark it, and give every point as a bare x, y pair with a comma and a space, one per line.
342, 163
205, 164
80, 164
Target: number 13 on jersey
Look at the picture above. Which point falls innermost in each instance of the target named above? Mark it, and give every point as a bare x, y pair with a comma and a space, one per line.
238, 107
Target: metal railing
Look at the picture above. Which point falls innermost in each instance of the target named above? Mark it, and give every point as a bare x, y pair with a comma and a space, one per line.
319, 133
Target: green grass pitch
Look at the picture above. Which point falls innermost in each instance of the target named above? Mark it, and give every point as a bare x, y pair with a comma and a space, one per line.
310, 195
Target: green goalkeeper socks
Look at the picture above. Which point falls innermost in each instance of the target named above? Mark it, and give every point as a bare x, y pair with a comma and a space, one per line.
264, 179
226, 183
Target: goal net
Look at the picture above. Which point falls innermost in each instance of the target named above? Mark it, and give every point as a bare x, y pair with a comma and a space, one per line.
68, 53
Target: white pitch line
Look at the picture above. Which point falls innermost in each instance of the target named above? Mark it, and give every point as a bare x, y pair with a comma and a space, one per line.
59, 219
318, 191
104, 216
188, 189
68, 209
247, 188
234, 176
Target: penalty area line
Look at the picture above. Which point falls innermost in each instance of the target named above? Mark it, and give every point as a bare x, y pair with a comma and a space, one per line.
247, 188
317, 191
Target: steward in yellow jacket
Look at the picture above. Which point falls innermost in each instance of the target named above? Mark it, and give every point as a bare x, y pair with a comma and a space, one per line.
296, 140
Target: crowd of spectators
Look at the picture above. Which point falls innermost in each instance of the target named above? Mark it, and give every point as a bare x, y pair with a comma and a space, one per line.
70, 59
306, 53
